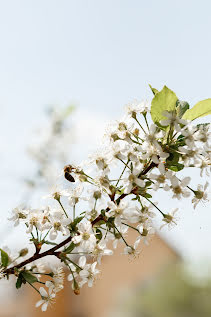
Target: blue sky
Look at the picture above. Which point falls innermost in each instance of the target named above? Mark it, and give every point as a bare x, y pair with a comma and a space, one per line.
99, 54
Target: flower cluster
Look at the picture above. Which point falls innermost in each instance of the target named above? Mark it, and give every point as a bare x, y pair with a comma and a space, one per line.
98, 208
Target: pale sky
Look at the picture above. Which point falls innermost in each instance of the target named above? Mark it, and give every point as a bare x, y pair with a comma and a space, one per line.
100, 54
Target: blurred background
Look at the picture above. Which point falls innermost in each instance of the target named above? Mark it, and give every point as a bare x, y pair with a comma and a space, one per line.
66, 69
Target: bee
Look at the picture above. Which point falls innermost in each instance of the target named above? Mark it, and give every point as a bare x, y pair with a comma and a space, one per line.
67, 170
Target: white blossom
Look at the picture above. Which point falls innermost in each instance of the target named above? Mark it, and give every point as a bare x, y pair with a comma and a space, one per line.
46, 299
88, 273
200, 194
86, 238
169, 219
58, 223
172, 119
19, 215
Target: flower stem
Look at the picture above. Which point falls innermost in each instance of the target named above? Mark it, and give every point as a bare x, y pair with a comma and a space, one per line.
33, 287
155, 206
62, 207
140, 125
124, 163
122, 174
145, 118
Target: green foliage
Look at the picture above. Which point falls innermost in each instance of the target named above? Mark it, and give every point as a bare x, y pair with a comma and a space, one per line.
20, 281
202, 125
173, 158
70, 248
50, 243
201, 109
172, 162
4, 258
29, 277
99, 234
24, 277
182, 107
164, 100
147, 195
176, 167
154, 90
73, 225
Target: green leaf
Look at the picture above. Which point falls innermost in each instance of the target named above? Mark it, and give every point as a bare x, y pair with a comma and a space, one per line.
73, 224
147, 195
164, 100
99, 223
201, 109
70, 248
182, 107
120, 191
99, 234
173, 158
4, 258
154, 90
177, 167
50, 243
29, 277
19, 281
202, 125
181, 140
148, 183
77, 220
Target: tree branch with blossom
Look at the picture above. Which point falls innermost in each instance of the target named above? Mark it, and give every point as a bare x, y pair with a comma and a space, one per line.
147, 152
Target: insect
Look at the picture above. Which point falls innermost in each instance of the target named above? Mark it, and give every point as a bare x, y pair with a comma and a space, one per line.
67, 170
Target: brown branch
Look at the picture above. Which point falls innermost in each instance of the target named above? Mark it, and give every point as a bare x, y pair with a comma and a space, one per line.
51, 251
37, 256
148, 168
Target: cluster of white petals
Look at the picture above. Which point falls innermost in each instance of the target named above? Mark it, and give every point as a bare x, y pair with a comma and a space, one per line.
96, 209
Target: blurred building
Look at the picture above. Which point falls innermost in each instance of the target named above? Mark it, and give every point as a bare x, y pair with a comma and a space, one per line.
119, 273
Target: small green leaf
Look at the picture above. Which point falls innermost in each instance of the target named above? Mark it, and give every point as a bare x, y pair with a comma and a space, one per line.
148, 183
50, 243
120, 191
180, 137
202, 125
19, 281
154, 90
182, 107
134, 198
29, 277
177, 167
99, 223
77, 220
147, 195
173, 158
4, 258
164, 100
73, 224
70, 248
201, 109
99, 234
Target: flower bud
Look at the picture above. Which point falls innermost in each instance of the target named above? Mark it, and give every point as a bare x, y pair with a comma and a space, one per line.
23, 252
56, 196
76, 288
199, 194
168, 218
136, 132
97, 194
83, 178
